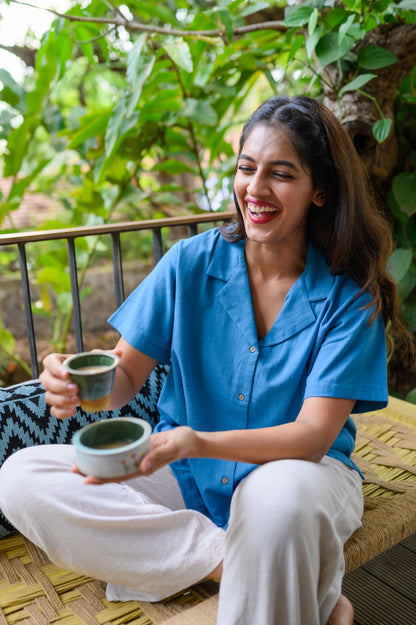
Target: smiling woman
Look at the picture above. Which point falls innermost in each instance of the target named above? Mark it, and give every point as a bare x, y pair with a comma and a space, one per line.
248, 468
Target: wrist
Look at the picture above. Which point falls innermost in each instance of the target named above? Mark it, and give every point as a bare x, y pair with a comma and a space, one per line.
200, 447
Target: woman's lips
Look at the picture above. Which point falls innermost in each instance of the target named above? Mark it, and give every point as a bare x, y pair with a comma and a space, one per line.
261, 213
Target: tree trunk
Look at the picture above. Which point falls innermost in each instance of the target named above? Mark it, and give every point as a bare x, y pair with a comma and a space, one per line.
360, 113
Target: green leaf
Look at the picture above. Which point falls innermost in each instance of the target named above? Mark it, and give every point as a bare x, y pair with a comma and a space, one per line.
143, 72
199, 111
114, 124
173, 167
328, 50
178, 50
381, 129
91, 125
176, 140
357, 83
119, 125
18, 143
298, 43
157, 10
164, 100
407, 5
313, 20
375, 57
203, 74
312, 41
298, 17
12, 92
404, 191
254, 8
54, 276
399, 263
7, 340
407, 283
83, 35
335, 18
344, 28
411, 397
133, 59
64, 47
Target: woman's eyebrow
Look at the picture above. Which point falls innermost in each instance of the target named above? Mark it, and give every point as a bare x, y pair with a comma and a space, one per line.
277, 162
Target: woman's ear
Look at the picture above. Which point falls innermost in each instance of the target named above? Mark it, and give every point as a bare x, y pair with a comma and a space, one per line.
319, 198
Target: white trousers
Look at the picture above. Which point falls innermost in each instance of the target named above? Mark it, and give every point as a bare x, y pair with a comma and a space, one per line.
283, 549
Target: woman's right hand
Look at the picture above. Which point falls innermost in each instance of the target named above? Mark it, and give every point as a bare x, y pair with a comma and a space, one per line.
61, 392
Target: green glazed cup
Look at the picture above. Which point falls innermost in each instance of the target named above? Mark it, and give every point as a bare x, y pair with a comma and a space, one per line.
94, 373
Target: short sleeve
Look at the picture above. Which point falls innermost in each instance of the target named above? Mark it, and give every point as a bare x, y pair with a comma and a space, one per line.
145, 319
350, 358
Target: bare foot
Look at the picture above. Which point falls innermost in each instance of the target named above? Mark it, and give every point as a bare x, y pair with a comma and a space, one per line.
343, 613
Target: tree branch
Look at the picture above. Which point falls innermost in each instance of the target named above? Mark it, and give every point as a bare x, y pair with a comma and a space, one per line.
26, 54
133, 26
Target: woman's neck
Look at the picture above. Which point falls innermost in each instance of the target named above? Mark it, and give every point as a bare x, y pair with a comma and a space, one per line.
271, 262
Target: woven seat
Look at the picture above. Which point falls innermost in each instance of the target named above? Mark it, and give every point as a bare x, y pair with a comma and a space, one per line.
33, 590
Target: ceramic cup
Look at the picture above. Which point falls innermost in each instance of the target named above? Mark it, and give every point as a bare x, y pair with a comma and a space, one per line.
112, 447
94, 373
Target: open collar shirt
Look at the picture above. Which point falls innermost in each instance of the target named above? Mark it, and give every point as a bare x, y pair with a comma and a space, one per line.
194, 311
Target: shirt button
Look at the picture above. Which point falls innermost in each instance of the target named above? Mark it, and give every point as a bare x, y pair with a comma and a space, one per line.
241, 397
252, 349
225, 480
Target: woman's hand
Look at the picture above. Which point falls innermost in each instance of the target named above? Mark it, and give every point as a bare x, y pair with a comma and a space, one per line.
61, 392
166, 447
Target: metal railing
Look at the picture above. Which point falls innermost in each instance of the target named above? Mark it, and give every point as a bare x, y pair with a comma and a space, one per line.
21, 239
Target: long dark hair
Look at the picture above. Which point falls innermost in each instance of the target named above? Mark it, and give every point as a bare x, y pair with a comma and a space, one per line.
348, 228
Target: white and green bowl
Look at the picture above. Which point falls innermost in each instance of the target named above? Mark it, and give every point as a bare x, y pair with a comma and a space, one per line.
112, 447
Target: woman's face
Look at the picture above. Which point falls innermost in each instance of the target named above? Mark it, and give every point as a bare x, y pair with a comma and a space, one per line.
273, 189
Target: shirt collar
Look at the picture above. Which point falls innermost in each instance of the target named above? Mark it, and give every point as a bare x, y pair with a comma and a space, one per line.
317, 277
313, 284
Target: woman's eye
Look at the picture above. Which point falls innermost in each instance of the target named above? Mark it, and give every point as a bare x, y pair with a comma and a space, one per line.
282, 175
245, 168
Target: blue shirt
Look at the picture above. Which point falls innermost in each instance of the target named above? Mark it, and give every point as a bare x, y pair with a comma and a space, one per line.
194, 310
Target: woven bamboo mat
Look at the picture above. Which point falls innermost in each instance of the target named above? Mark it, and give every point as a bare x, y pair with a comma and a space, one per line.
35, 591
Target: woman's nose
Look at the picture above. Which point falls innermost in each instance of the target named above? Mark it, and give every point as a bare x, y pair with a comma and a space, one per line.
257, 184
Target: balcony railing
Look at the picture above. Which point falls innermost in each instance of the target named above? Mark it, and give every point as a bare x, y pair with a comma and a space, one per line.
21, 239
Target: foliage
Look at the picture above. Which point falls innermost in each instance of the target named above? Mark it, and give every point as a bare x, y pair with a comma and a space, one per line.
132, 107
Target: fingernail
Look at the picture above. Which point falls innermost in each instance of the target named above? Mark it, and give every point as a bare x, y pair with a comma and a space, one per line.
72, 387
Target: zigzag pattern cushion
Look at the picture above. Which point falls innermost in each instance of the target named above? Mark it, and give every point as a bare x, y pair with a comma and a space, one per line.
25, 419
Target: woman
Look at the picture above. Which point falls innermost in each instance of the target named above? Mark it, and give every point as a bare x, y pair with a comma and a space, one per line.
275, 331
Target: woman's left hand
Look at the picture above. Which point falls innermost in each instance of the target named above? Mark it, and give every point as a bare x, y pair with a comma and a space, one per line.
166, 447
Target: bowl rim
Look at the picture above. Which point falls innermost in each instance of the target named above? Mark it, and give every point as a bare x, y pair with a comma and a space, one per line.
76, 439
67, 362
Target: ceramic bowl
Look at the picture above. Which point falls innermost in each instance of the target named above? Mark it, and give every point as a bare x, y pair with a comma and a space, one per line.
112, 447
